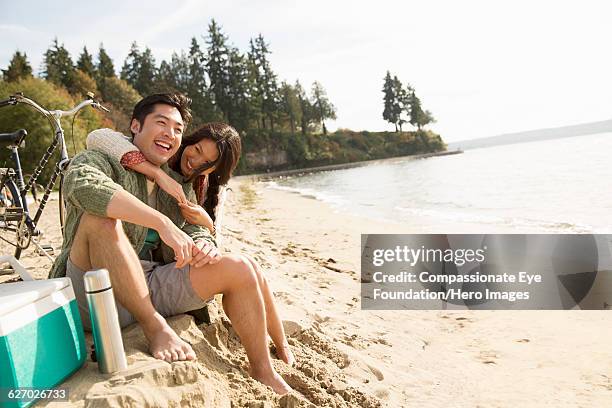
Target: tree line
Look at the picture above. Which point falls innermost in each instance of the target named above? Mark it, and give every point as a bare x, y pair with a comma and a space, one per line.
225, 84
282, 125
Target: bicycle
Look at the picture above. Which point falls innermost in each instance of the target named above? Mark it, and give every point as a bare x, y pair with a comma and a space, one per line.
14, 214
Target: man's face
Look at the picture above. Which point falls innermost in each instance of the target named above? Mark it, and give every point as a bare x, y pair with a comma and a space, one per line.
160, 136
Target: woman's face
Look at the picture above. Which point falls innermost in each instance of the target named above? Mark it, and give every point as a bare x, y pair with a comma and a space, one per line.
196, 155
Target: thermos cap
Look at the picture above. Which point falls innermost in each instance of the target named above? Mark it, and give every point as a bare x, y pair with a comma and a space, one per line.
97, 280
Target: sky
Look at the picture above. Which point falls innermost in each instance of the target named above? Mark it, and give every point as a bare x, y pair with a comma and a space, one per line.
482, 68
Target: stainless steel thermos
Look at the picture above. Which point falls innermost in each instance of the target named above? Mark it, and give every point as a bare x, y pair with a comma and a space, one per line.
104, 322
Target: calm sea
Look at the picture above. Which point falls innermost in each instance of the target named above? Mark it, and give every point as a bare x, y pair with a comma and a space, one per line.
562, 185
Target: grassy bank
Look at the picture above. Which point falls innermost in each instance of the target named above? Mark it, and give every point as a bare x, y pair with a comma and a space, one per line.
266, 151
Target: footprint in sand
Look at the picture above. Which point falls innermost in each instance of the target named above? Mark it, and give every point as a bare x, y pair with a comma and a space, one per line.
488, 357
377, 373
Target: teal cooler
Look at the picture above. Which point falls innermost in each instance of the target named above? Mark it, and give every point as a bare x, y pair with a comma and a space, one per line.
41, 335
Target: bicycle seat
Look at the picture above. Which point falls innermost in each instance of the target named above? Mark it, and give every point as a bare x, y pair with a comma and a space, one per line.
15, 138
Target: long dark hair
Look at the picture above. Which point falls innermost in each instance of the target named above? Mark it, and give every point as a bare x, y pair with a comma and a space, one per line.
229, 146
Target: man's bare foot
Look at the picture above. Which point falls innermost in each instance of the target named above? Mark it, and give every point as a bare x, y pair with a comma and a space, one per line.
165, 344
284, 353
273, 380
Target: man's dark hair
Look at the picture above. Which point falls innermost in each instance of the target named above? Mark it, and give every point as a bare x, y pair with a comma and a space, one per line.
147, 104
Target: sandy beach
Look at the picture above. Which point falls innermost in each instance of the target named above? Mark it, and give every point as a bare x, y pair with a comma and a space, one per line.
347, 357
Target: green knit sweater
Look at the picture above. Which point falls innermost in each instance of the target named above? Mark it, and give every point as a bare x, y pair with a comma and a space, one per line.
90, 182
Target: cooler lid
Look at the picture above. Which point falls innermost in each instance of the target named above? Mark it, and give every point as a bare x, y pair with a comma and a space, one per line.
17, 294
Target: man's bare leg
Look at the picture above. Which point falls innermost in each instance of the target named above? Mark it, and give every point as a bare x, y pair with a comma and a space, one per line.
275, 324
243, 303
102, 243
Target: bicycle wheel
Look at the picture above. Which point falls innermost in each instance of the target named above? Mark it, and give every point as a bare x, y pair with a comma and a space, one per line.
13, 229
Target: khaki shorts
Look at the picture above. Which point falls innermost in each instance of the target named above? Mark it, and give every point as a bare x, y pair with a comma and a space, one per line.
170, 289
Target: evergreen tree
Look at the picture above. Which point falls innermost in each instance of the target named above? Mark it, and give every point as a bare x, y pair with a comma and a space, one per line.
146, 75
323, 108
255, 86
104, 69
57, 65
131, 65
290, 105
418, 116
217, 67
265, 79
239, 107
139, 70
85, 63
196, 88
18, 68
305, 107
105, 66
390, 100
400, 101
166, 80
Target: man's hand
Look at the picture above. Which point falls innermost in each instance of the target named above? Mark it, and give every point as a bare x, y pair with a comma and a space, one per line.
205, 253
170, 186
181, 243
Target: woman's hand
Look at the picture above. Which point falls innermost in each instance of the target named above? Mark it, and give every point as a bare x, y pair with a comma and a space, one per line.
204, 253
170, 186
196, 215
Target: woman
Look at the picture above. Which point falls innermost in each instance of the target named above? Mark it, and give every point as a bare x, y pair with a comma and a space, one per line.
207, 157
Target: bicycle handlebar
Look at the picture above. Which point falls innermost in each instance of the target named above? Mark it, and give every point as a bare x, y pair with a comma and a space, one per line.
6, 102
56, 113
80, 106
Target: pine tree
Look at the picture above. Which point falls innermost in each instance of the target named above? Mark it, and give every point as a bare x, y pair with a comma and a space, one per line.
239, 107
418, 116
389, 100
139, 70
255, 86
147, 73
18, 68
105, 69
265, 79
131, 65
404, 104
323, 108
305, 107
166, 80
57, 65
399, 102
290, 105
202, 107
105, 66
85, 63
217, 67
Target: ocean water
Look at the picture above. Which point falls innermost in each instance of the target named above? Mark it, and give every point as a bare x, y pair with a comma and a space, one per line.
561, 185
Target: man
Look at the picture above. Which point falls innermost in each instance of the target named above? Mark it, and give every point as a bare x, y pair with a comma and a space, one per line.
118, 220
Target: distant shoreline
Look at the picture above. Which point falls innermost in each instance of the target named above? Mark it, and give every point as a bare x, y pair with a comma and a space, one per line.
342, 166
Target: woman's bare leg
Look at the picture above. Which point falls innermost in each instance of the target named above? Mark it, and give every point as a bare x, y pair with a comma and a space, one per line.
274, 322
234, 277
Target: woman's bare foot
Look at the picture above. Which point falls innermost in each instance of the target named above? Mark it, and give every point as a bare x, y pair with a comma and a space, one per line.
273, 380
284, 353
165, 344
